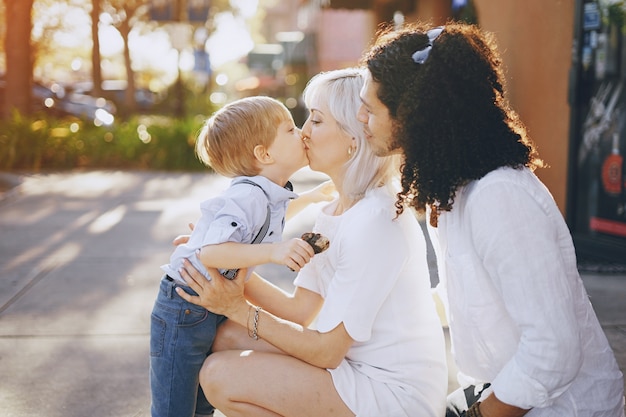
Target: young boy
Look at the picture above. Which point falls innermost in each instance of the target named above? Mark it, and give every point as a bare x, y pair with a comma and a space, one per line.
254, 141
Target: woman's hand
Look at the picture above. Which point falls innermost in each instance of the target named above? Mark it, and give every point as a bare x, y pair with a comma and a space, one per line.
218, 295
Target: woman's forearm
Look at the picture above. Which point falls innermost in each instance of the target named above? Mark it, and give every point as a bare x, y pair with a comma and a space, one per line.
324, 350
299, 307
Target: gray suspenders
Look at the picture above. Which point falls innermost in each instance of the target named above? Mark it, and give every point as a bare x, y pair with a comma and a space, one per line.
232, 273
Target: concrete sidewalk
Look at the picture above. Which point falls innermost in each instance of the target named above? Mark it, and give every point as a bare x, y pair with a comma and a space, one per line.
79, 269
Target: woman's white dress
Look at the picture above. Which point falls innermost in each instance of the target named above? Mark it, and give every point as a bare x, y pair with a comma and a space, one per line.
374, 279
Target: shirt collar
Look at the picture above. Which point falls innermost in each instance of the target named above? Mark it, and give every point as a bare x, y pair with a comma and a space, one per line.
274, 191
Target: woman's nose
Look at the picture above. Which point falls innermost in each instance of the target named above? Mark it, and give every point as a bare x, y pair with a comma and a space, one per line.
305, 131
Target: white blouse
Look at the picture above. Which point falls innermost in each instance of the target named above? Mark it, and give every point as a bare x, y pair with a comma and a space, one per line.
374, 279
519, 315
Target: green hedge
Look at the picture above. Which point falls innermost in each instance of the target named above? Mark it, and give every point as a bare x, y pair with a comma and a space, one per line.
142, 142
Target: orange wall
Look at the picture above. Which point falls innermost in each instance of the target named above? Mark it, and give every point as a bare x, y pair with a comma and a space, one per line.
535, 40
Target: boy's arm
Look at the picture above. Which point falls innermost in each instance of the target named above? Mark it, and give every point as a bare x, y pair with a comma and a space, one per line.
293, 253
323, 192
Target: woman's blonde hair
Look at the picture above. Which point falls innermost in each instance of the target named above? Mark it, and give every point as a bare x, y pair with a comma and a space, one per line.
227, 140
340, 89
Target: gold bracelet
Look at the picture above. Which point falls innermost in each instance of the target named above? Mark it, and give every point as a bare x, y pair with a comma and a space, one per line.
255, 324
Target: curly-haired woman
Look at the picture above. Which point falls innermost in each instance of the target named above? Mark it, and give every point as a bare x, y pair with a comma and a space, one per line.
525, 337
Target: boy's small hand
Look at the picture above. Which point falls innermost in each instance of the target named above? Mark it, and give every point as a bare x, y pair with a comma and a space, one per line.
293, 253
180, 239
323, 192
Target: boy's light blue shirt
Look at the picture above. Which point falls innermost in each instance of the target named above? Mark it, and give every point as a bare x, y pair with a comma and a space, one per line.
236, 215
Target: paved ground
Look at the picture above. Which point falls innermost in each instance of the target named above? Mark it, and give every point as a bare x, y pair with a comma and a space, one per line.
79, 270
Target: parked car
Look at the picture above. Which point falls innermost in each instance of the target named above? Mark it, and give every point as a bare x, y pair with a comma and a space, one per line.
84, 106
54, 100
115, 90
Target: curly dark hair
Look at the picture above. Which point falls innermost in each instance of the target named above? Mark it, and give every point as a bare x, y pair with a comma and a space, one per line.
449, 114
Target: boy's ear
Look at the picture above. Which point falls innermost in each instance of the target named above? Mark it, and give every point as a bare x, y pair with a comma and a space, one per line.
262, 155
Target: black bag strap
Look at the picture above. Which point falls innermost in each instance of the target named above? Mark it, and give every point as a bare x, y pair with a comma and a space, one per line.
232, 273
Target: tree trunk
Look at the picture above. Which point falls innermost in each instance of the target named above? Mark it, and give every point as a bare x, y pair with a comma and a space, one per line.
130, 104
96, 70
19, 60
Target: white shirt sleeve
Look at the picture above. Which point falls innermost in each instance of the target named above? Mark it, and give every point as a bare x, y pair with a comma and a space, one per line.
233, 218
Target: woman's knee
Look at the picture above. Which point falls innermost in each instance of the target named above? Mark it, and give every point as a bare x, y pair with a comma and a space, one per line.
211, 374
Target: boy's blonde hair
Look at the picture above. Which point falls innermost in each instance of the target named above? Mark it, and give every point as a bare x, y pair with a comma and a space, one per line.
227, 140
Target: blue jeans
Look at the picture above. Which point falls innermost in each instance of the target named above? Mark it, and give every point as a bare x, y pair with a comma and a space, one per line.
181, 335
